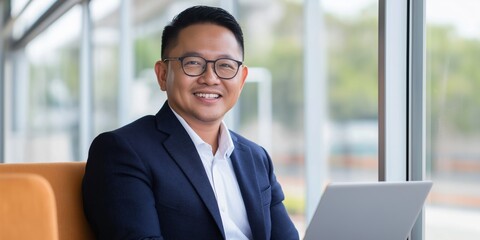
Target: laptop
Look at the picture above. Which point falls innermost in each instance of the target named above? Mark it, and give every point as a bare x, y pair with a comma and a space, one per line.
368, 211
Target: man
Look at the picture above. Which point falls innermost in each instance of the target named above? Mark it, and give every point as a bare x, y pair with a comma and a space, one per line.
181, 174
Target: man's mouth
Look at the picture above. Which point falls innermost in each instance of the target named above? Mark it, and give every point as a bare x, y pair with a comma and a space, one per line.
207, 95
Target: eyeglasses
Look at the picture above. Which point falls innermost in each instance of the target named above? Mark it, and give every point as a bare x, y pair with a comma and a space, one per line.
225, 68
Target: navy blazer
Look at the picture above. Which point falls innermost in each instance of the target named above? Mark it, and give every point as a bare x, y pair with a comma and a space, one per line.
146, 181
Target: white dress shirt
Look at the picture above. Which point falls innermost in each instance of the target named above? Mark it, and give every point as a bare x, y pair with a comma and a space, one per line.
224, 183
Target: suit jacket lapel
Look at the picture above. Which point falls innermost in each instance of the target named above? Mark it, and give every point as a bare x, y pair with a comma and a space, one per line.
184, 153
244, 167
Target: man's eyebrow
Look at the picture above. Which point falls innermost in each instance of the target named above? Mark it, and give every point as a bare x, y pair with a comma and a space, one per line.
191, 54
196, 54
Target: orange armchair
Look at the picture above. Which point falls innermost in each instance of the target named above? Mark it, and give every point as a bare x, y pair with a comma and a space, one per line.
65, 180
27, 208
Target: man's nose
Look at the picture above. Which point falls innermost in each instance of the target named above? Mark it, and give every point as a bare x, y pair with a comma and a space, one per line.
209, 76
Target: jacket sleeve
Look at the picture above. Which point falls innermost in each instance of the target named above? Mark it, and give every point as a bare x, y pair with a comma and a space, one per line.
117, 195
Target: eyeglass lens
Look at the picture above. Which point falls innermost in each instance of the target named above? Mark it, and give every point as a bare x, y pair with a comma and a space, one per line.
224, 67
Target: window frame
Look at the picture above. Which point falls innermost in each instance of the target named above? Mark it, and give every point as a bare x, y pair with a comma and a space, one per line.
402, 132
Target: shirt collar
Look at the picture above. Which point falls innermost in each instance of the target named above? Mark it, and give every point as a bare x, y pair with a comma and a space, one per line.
225, 143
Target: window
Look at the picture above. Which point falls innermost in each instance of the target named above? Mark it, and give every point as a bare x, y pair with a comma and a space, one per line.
275, 42
453, 116
44, 123
43, 95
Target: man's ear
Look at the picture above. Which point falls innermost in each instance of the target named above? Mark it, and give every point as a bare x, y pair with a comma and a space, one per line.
161, 69
244, 74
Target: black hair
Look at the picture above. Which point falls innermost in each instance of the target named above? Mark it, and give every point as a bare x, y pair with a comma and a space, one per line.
200, 14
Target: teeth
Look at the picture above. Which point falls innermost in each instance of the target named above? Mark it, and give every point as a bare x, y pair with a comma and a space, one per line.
207, 95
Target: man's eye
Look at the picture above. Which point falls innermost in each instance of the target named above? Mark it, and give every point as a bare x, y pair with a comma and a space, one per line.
192, 63
226, 66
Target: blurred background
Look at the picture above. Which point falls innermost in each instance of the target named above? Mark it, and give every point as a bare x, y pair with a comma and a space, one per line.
57, 96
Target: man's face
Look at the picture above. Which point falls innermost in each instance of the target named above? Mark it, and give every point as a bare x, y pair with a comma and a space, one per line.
206, 98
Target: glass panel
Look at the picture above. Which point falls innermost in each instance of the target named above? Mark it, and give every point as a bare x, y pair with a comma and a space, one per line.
453, 117
31, 14
45, 111
105, 44
352, 65
276, 45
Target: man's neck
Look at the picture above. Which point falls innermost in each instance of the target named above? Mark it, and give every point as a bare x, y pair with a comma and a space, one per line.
208, 133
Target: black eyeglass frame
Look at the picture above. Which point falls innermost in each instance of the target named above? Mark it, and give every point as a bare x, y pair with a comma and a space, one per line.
180, 59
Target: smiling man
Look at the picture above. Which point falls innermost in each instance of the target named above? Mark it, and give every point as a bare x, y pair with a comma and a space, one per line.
181, 174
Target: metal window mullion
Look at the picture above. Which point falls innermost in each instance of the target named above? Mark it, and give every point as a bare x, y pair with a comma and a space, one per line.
126, 72
392, 84
86, 84
3, 13
417, 106
315, 104
19, 101
402, 94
